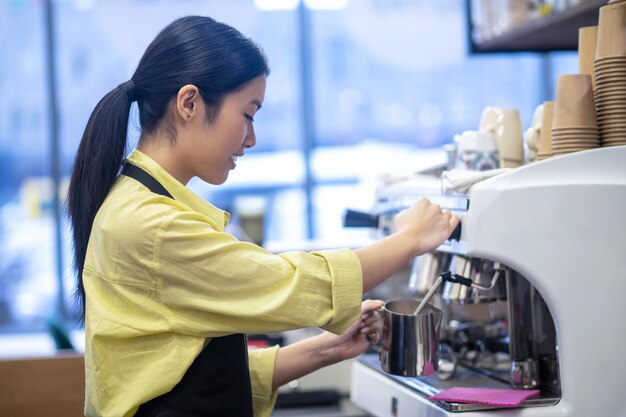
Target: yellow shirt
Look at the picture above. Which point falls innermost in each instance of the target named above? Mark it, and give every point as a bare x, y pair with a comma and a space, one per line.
162, 278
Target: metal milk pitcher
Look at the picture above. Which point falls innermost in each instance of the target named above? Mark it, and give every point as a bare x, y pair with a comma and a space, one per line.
409, 345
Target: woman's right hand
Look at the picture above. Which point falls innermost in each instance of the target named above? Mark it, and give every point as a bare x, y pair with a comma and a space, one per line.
426, 225
419, 229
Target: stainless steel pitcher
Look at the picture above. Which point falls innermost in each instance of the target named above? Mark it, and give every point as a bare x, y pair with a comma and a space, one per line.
409, 345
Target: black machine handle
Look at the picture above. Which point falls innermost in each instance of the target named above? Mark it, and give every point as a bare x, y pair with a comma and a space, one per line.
456, 233
456, 279
353, 218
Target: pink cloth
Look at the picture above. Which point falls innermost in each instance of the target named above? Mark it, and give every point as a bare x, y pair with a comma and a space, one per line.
488, 396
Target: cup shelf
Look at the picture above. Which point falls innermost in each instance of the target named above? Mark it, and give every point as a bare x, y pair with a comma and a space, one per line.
555, 32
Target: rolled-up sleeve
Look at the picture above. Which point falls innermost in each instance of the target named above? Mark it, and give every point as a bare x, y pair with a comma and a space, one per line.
213, 285
262, 364
345, 264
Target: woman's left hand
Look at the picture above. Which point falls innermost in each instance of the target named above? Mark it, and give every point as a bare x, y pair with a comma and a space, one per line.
301, 358
355, 340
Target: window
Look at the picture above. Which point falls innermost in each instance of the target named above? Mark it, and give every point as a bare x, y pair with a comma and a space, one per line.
391, 82
28, 276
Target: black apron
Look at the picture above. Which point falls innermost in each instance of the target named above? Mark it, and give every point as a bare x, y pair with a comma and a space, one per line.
217, 384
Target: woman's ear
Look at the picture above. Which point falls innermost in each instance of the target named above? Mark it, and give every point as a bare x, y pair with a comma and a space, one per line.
188, 102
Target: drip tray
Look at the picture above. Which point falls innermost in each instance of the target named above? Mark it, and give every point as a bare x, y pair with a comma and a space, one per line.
464, 377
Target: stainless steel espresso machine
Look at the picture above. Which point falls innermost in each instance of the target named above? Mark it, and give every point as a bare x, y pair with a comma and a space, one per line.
553, 234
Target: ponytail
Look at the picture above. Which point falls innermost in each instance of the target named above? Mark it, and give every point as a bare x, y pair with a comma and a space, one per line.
98, 160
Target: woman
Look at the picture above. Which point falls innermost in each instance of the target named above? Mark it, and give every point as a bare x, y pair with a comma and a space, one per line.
168, 295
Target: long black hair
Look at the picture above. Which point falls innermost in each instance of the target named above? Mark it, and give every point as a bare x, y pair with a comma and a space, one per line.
196, 50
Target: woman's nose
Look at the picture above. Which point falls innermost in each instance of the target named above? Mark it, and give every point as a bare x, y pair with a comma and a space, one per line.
250, 139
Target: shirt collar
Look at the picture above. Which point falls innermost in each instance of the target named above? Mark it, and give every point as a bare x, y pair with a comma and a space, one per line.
180, 193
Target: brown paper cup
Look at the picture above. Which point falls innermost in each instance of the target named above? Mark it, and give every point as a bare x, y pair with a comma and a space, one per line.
575, 104
587, 39
611, 41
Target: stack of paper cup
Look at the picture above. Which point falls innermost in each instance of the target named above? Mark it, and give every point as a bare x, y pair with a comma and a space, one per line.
610, 74
574, 127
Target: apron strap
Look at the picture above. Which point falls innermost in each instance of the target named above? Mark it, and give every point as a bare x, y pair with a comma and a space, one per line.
146, 179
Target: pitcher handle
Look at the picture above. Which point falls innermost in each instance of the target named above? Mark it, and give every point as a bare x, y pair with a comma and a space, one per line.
377, 346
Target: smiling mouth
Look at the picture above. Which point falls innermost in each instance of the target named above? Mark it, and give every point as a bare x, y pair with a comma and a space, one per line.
234, 158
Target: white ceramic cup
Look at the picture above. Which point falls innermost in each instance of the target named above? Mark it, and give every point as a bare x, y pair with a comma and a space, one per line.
532, 134
531, 137
489, 119
476, 151
538, 117
506, 124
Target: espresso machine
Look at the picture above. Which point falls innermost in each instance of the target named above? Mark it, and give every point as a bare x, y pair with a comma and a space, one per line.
550, 238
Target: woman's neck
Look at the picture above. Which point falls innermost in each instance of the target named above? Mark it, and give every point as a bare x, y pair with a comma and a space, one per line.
163, 152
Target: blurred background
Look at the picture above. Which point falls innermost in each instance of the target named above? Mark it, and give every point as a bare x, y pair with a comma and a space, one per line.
358, 89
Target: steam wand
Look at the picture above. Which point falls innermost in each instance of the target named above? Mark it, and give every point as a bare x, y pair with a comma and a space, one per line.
457, 279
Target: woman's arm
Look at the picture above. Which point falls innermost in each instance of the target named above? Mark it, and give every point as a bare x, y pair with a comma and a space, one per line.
419, 229
302, 358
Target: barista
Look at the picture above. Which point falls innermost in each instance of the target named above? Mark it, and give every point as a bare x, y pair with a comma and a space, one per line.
168, 295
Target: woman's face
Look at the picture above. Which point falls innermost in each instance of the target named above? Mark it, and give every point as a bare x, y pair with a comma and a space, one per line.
218, 144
